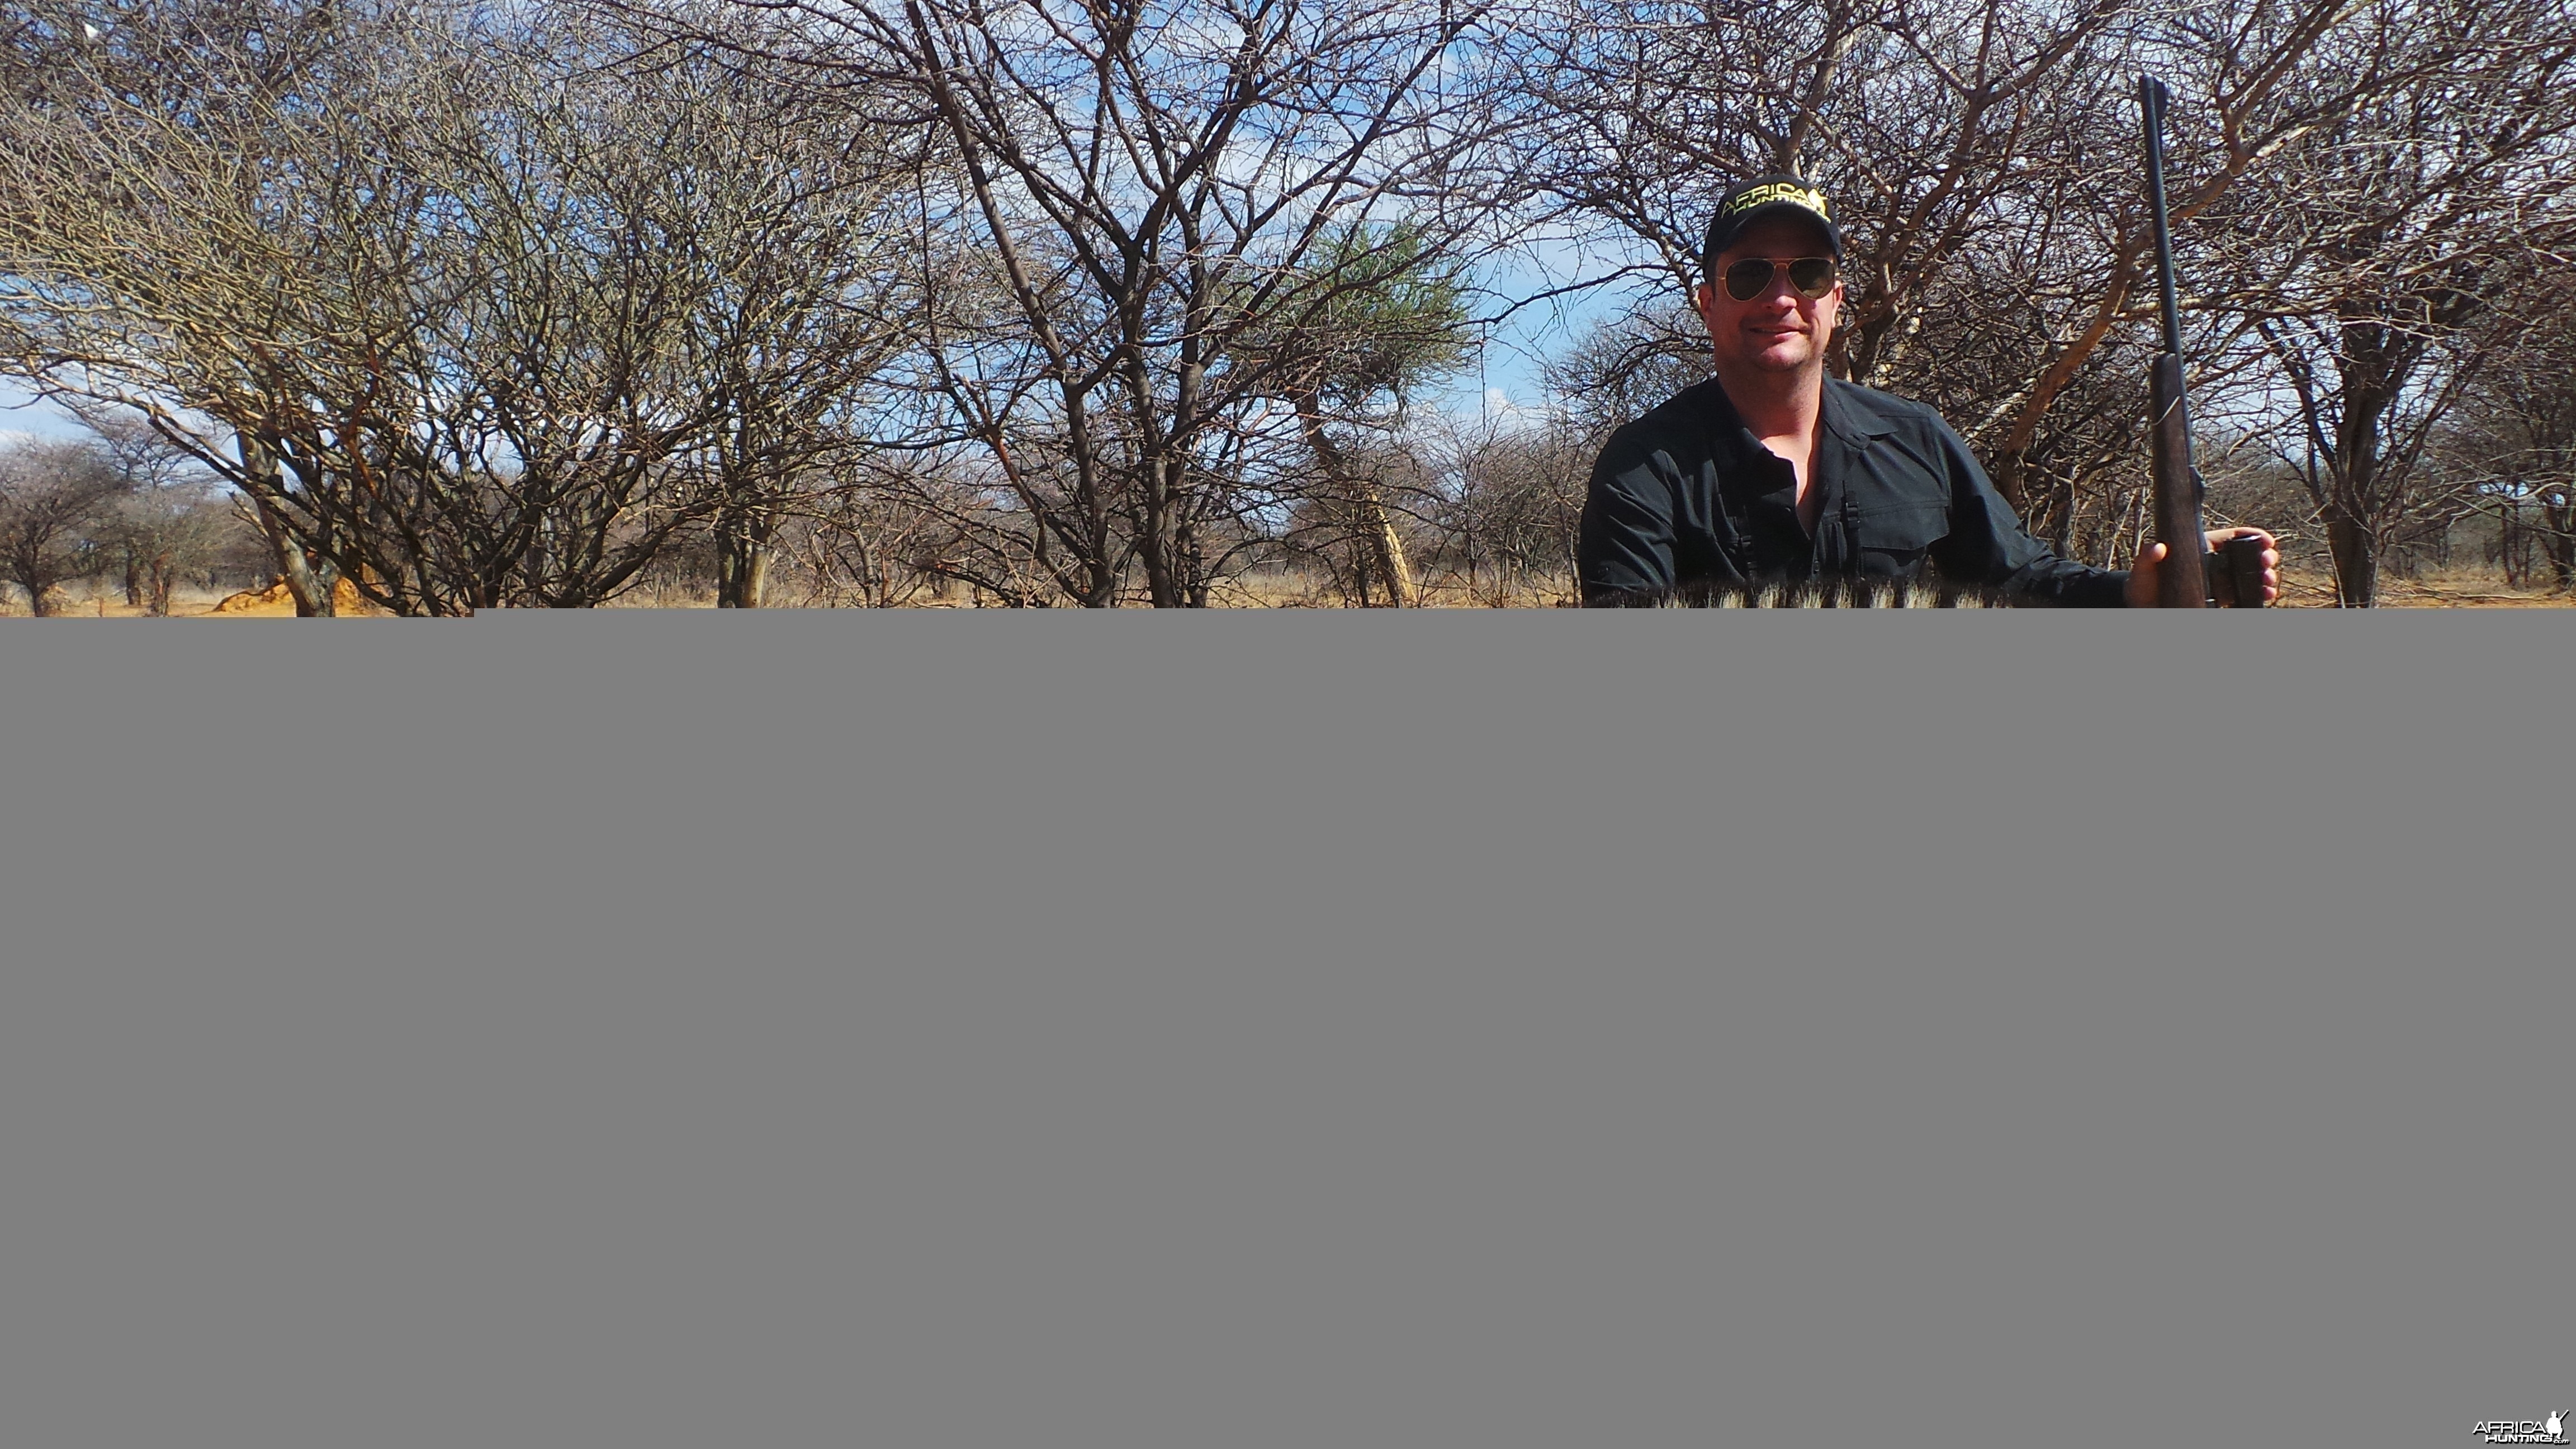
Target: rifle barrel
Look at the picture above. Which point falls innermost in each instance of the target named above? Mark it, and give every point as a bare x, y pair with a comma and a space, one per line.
2151, 105
2182, 582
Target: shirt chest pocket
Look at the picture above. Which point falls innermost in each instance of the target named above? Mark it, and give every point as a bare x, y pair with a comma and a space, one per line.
1892, 539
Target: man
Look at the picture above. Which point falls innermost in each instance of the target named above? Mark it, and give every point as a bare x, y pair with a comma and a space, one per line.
1772, 471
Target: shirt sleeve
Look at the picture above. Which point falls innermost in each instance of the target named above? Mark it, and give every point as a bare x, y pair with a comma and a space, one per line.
1988, 545
1624, 553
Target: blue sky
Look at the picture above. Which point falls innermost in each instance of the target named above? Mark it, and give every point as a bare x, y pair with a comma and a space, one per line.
21, 413
1506, 378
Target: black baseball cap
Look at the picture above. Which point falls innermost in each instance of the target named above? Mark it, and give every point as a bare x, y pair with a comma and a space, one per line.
1778, 194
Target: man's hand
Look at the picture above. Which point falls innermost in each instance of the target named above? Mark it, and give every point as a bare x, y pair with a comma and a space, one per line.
2142, 579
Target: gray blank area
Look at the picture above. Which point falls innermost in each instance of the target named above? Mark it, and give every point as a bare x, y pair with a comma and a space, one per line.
1374, 1031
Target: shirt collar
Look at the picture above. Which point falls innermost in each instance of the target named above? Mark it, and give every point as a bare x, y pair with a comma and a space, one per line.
1840, 415
1852, 423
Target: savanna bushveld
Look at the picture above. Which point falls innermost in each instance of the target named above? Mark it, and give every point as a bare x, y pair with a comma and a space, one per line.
358, 306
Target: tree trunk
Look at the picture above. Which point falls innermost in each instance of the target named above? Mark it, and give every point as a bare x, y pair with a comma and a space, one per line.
2558, 518
1192, 565
2356, 559
2371, 368
1381, 546
1387, 546
312, 595
2009, 471
133, 578
742, 570
304, 583
1100, 575
1154, 538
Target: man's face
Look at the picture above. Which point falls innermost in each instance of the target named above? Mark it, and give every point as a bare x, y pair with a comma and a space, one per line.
1777, 331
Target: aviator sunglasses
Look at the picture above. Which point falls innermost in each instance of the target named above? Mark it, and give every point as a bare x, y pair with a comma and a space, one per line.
1809, 277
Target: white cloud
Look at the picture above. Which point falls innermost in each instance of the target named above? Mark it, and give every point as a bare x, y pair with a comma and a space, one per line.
1500, 408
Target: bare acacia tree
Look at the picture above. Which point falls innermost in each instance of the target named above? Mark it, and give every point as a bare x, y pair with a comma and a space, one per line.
1149, 203
2369, 274
2510, 445
1393, 321
1510, 500
170, 518
57, 516
472, 308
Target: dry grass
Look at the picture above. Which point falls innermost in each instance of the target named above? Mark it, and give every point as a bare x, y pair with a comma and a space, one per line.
2453, 588
1276, 590
93, 604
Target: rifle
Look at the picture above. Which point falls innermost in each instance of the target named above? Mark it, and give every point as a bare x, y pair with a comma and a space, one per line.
2190, 577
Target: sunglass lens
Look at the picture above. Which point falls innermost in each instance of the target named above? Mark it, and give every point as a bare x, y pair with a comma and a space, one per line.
1746, 280
1812, 277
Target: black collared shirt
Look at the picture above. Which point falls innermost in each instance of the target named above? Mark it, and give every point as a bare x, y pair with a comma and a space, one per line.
1685, 500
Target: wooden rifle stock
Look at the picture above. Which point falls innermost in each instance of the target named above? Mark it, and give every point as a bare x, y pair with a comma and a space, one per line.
2181, 581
